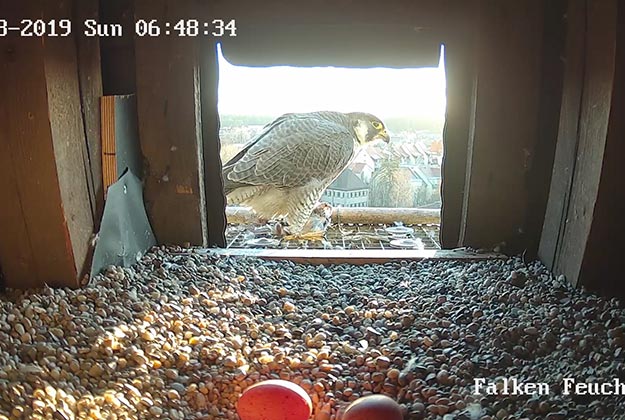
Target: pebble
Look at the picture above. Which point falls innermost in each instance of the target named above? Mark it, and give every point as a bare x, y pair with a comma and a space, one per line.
156, 411
182, 333
382, 362
393, 374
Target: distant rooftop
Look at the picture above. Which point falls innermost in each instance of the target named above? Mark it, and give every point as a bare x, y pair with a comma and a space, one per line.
358, 167
348, 181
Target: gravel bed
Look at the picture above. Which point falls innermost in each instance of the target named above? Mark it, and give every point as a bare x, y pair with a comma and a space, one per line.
182, 333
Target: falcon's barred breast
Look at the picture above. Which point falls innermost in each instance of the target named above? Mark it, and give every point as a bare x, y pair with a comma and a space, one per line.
283, 171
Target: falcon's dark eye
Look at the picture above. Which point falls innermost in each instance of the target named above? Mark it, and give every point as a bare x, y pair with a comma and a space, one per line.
377, 125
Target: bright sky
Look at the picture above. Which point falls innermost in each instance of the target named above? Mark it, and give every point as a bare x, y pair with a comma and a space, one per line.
380, 91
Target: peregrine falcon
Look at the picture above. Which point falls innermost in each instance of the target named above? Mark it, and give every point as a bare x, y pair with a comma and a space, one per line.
283, 171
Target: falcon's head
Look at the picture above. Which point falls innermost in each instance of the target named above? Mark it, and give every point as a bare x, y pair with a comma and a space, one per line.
368, 127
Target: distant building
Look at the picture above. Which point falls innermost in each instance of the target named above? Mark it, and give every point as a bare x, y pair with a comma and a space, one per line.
348, 190
377, 154
364, 156
428, 177
426, 185
434, 175
411, 154
363, 171
418, 178
363, 166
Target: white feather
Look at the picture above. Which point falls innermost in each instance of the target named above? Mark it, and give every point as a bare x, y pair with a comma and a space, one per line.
361, 130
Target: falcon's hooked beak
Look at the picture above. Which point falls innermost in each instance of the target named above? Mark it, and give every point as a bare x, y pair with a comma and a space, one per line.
383, 135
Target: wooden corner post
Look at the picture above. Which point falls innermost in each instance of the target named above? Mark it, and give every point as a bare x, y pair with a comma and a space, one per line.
46, 215
170, 132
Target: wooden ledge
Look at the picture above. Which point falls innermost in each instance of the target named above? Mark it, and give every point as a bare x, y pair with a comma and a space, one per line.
356, 215
351, 256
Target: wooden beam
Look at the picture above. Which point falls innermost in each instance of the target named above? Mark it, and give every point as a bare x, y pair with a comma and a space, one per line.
603, 258
46, 217
460, 75
68, 135
542, 161
213, 181
506, 125
566, 149
421, 13
594, 119
168, 99
90, 82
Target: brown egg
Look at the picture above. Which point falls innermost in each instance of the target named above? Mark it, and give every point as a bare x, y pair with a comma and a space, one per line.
373, 407
274, 399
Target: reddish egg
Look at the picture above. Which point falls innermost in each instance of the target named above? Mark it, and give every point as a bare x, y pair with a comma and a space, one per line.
274, 399
373, 407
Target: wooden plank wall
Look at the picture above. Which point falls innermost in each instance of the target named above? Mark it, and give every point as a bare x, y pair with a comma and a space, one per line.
69, 135
580, 236
46, 219
168, 105
566, 151
90, 83
543, 156
602, 266
424, 14
591, 135
502, 142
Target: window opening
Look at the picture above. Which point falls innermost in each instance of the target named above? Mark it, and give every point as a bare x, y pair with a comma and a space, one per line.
405, 173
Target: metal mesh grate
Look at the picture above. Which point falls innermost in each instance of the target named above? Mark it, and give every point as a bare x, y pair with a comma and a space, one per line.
343, 236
